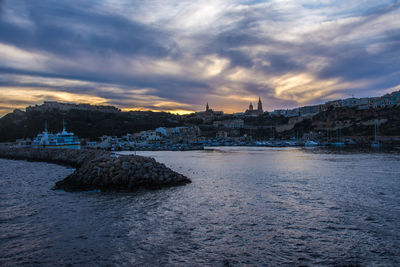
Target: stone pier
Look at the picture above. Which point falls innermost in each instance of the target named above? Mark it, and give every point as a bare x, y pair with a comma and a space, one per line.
96, 170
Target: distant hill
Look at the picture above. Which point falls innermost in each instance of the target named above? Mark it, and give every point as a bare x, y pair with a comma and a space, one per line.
88, 121
351, 122
85, 123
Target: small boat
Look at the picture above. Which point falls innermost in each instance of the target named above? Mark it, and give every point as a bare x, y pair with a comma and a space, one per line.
376, 144
339, 142
311, 143
291, 143
263, 143
326, 143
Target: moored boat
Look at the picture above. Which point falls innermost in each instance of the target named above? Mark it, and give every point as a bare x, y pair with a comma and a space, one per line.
311, 143
376, 143
60, 140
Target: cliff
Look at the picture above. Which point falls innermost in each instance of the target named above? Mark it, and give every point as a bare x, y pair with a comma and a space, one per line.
96, 170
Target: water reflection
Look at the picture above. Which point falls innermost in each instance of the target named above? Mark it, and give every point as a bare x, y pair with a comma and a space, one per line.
245, 207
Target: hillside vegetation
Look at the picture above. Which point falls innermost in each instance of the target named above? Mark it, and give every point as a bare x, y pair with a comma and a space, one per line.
85, 124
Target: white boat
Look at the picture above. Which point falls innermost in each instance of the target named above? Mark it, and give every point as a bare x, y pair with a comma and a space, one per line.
311, 143
291, 143
338, 143
376, 143
263, 143
59, 140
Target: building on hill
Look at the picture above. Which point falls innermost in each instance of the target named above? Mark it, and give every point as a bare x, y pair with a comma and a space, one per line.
254, 112
388, 100
209, 112
231, 124
279, 112
52, 105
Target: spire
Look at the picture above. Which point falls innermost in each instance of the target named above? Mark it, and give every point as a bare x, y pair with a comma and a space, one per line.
259, 107
207, 107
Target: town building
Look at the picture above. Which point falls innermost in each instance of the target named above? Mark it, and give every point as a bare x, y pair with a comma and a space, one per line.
54, 105
231, 124
279, 112
255, 112
388, 100
209, 112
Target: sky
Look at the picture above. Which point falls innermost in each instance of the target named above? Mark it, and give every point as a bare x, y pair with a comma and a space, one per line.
177, 55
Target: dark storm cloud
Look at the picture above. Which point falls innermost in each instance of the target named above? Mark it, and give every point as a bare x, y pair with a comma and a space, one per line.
66, 30
356, 64
353, 61
107, 47
350, 61
258, 89
103, 36
280, 64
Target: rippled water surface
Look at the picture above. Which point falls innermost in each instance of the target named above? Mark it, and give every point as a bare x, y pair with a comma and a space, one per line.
246, 206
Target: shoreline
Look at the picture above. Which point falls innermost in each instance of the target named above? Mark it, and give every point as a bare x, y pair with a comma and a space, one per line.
365, 149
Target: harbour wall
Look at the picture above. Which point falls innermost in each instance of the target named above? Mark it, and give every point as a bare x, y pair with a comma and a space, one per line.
96, 170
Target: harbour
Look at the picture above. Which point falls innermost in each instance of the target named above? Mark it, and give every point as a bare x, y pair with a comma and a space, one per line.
245, 206
199, 133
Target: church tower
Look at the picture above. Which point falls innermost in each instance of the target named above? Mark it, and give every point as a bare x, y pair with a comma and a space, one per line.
259, 107
251, 106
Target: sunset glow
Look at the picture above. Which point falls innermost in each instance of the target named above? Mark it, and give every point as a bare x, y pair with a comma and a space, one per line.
177, 55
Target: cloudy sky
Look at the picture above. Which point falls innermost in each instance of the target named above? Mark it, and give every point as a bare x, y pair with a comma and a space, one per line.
177, 55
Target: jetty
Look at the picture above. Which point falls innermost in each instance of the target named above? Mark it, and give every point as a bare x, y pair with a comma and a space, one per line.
96, 170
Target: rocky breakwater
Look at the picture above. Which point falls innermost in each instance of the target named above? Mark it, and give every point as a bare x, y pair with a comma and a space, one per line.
96, 170
125, 173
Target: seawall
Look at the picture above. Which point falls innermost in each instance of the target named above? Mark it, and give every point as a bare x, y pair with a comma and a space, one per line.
96, 170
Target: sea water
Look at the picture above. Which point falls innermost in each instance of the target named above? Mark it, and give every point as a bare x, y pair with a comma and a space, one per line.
245, 206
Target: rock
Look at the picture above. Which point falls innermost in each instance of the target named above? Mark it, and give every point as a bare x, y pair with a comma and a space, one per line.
96, 170
148, 165
126, 165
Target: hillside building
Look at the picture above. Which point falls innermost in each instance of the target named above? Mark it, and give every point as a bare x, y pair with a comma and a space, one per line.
255, 112
210, 112
54, 105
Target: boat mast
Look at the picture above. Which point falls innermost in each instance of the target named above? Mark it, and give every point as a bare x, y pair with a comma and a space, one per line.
45, 139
